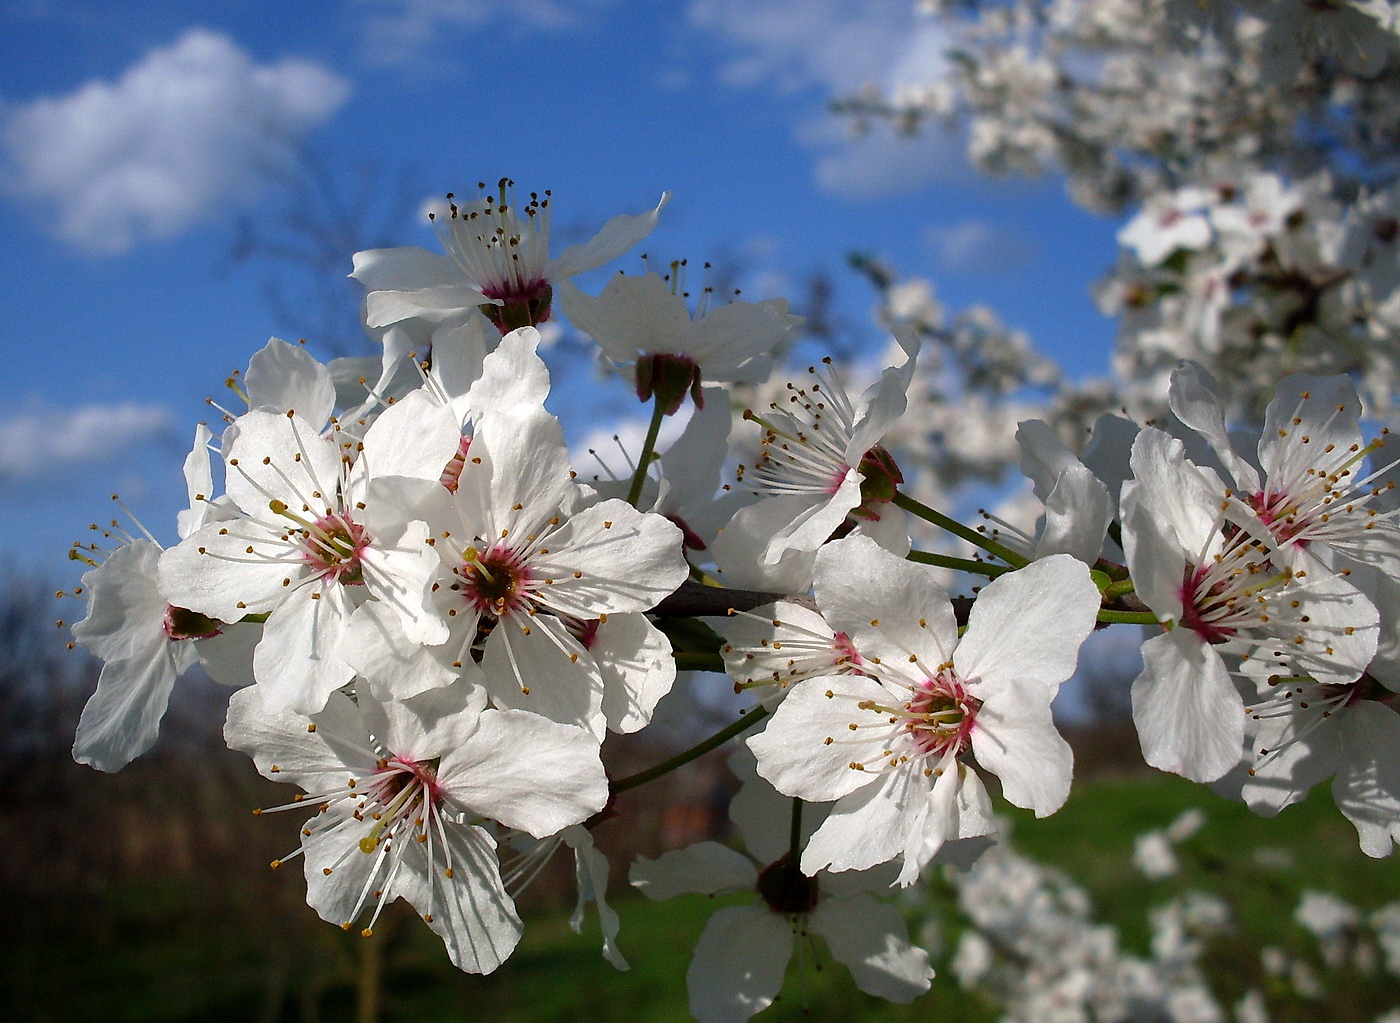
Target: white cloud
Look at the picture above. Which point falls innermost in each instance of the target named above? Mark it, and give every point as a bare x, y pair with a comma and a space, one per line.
834, 45
881, 161
976, 247
405, 30
839, 49
45, 439
187, 130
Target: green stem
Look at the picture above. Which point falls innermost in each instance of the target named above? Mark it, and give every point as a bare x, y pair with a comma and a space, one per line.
698, 750
634, 492
923, 511
1119, 589
961, 564
1129, 617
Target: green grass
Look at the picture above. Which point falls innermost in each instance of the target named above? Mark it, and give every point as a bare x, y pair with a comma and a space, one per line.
202, 948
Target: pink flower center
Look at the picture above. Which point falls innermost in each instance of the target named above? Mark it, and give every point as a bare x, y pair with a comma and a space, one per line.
524, 304
846, 652
940, 715
1206, 600
1279, 512
585, 632
397, 775
333, 546
493, 581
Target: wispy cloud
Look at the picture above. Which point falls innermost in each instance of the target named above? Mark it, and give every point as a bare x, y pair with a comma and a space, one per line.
399, 31
836, 49
46, 440
188, 130
977, 247
832, 44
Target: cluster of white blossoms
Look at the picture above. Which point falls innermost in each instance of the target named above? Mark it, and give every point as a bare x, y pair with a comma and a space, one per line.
1248, 144
435, 623
1030, 937
1031, 940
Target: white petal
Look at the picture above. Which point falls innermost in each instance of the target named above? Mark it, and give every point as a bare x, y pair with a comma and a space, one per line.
637, 667
1154, 554
1330, 415
523, 462
705, 868
625, 560
459, 357
121, 719
125, 618
284, 458
1193, 400
871, 939
297, 663
1077, 505
533, 672
403, 269
740, 549
1295, 763
470, 911
513, 375
731, 337
1183, 497
286, 378
375, 645
337, 872
399, 571
763, 815
817, 520
1027, 626
526, 772
1014, 737
413, 437
1367, 788
429, 725
213, 572
858, 582
1190, 719
875, 824
807, 748
591, 876
878, 408
614, 238
228, 657
199, 483
286, 749
633, 314
739, 964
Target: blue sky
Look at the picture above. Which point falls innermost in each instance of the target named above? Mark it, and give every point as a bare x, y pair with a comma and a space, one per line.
135, 137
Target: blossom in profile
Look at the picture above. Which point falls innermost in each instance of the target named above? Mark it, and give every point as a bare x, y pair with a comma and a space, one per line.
644, 327
497, 261
772, 648
145, 642
821, 463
